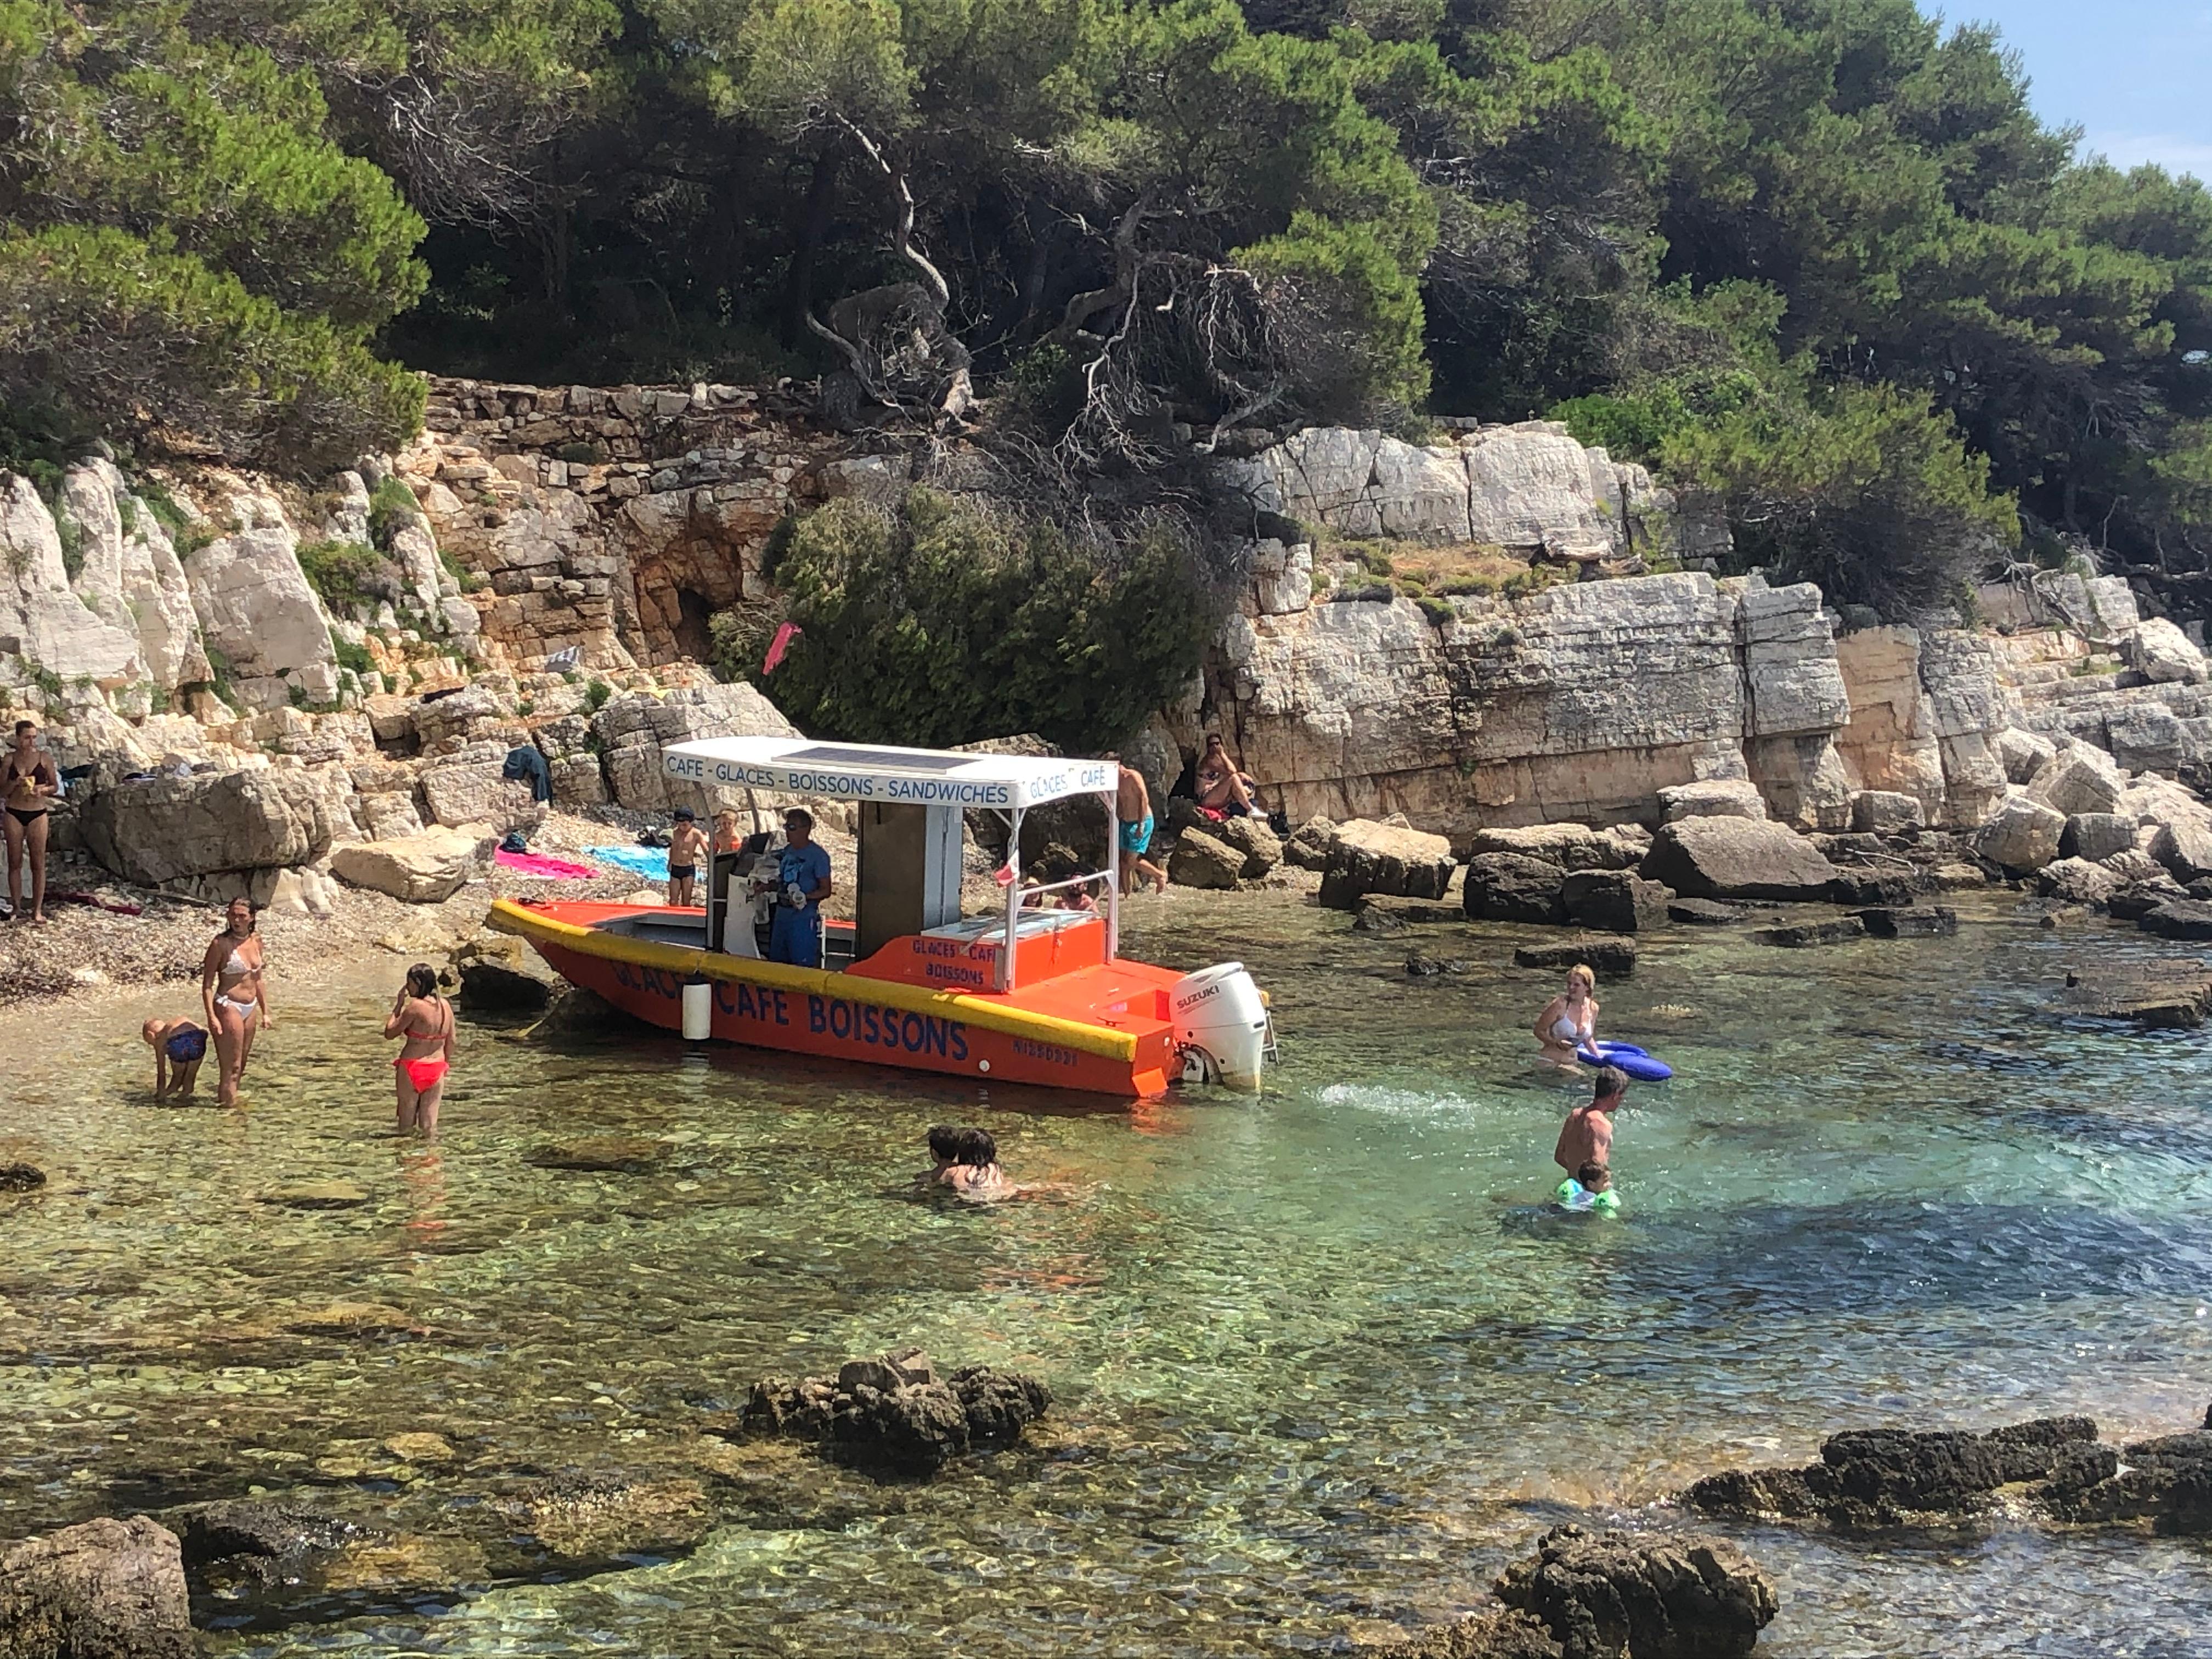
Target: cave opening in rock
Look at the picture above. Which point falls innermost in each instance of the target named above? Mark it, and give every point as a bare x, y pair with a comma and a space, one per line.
694, 639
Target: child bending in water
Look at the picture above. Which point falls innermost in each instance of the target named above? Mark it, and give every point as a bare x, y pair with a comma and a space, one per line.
179, 1047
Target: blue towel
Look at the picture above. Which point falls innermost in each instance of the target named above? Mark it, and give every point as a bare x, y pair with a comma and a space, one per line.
651, 862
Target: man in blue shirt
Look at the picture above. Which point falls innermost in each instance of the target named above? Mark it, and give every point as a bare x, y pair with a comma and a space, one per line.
803, 882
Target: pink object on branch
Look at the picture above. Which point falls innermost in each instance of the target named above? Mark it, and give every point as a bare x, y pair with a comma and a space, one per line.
785, 634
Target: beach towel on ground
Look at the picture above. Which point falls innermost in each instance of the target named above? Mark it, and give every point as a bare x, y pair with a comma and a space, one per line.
536, 864
651, 862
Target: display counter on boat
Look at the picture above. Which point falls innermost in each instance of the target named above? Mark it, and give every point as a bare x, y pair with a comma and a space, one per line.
1024, 995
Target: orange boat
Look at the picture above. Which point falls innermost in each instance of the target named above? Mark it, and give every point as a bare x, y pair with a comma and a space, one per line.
910, 982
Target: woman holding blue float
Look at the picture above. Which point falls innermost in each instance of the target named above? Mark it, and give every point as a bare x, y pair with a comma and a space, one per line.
1567, 1031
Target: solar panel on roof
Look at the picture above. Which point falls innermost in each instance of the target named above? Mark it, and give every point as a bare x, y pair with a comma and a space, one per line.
838, 754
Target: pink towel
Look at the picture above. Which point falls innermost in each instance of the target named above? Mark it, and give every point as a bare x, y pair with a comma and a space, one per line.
536, 864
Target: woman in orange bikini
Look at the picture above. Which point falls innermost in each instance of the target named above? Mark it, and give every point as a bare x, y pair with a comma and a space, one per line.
425, 1020
235, 996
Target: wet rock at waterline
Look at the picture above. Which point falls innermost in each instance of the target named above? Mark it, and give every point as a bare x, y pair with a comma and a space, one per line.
107, 1589
894, 1415
2138, 899
22, 1178
1608, 959
600, 1154
1650, 1596
1374, 919
2182, 917
1613, 1595
1705, 913
2052, 1468
1366, 857
1862, 887
1514, 887
2077, 881
1570, 846
1201, 859
1614, 900
1838, 930
1715, 857
2172, 994
571, 1012
1914, 921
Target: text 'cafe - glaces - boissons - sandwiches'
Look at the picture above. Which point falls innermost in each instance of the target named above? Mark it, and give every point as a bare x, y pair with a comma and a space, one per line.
1097, 776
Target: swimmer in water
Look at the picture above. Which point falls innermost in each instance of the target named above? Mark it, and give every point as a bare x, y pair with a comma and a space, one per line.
1569, 1020
944, 1146
1589, 1190
179, 1047
974, 1172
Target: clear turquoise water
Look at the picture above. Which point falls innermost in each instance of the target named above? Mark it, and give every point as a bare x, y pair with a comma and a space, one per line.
1324, 1365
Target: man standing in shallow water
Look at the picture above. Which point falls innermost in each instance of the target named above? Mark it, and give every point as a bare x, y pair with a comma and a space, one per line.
1588, 1136
1133, 809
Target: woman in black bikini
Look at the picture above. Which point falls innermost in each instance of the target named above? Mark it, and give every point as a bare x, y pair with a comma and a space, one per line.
28, 783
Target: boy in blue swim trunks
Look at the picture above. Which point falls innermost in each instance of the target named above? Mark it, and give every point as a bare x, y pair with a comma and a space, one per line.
1133, 807
176, 1044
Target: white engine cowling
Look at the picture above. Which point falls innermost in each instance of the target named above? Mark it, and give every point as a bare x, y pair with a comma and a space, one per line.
1221, 1022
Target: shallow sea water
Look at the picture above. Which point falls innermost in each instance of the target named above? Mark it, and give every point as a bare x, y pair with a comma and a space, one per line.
1324, 1365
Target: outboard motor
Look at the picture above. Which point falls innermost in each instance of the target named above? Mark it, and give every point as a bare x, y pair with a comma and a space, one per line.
1221, 1027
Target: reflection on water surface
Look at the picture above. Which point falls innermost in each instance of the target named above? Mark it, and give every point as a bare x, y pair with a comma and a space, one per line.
1324, 1363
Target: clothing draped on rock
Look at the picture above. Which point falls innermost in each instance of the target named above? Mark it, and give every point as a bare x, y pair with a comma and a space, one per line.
524, 762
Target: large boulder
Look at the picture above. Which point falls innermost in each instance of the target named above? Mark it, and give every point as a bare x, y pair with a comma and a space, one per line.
425, 869
2022, 834
2023, 753
634, 728
2179, 918
472, 788
157, 830
1717, 858
1712, 798
107, 1589
2079, 779
2164, 655
1205, 861
2077, 881
1261, 847
1663, 1596
1311, 843
257, 612
2096, 836
1508, 887
1886, 812
1614, 900
1367, 857
1570, 846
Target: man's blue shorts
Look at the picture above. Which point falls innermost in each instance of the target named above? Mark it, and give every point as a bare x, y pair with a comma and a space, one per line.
1137, 834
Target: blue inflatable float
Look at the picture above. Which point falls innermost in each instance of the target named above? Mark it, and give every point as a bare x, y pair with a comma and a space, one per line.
1628, 1057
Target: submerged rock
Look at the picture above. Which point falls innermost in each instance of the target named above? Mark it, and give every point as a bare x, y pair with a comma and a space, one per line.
2177, 918
2171, 994
586, 1520
1704, 913
1495, 1633
316, 1195
1668, 1595
896, 1416
1420, 966
22, 1178
1608, 959
600, 1154
1838, 931
107, 1589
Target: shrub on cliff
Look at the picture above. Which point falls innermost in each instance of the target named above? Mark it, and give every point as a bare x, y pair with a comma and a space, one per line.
184, 251
949, 621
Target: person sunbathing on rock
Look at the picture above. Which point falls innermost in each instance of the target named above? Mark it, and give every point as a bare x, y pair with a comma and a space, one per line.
1221, 787
1569, 1021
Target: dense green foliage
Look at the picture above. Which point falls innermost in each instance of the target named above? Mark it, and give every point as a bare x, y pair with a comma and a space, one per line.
1772, 244
948, 622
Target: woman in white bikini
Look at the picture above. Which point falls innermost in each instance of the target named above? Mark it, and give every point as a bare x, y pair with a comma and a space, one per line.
425, 1022
234, 994
1569, 1020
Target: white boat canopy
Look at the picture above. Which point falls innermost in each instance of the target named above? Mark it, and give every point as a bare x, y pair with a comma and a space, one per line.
914, 777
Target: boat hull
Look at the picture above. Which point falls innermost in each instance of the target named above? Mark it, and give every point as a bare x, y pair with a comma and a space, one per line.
876, 1022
